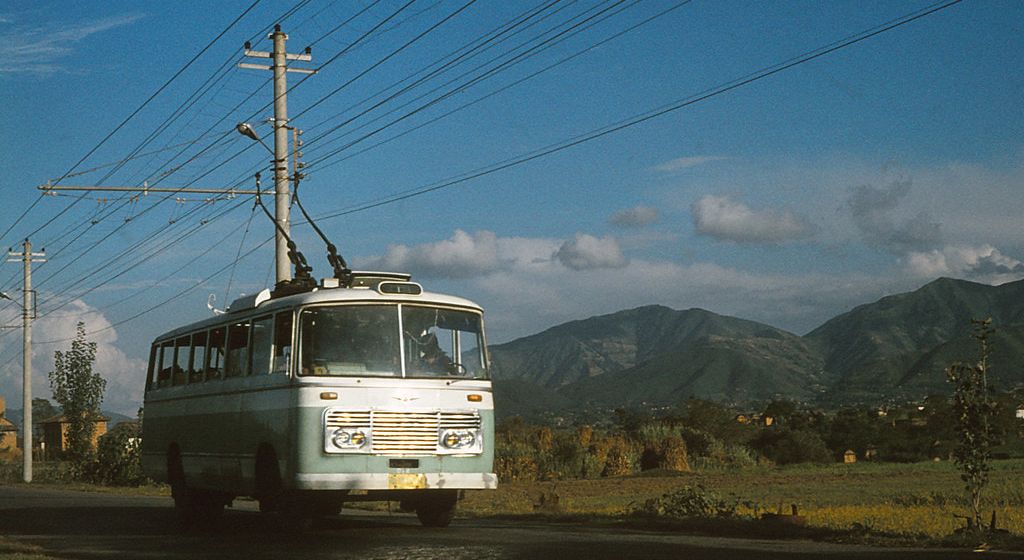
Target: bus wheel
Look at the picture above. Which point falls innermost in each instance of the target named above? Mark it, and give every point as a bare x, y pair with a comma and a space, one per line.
437, 510
268, 480
190, 504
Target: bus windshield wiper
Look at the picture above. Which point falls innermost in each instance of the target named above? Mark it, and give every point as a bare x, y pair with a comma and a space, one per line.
341, 270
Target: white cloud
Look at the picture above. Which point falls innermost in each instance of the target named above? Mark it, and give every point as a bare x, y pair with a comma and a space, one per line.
983, 263
125, 376
464, 255
520, 303
727, 220
679, 164
638, 216
586, 252
39, 49
872, 211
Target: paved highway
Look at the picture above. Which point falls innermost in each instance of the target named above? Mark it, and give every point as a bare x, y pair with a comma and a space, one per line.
90, 525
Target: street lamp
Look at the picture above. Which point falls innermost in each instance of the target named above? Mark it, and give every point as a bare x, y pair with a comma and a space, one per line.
246, 129
281, 196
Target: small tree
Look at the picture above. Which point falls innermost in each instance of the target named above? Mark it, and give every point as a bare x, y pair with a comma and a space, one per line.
79, 391
973, 409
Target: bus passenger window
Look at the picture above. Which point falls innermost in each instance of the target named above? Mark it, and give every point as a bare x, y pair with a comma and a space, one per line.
237, 357
261, 345
154, 354
166, 364
282, 342
195, 370
181, 357
215, 354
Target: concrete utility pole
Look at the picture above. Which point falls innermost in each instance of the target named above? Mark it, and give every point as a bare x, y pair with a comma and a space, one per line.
27, 257
282, 198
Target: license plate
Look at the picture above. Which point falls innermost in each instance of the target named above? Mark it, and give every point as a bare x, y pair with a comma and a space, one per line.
402, 481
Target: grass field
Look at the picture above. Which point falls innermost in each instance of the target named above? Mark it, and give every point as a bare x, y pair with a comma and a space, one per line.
912, 500
916, 501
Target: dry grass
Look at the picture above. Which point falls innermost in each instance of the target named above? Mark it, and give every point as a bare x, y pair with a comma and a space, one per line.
912, 500
14, 550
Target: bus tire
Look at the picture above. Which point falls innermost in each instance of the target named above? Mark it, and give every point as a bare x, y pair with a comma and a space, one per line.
268, 488
437, 510
192, 506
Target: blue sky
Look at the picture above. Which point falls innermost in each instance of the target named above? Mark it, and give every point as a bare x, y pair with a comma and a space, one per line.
869, 171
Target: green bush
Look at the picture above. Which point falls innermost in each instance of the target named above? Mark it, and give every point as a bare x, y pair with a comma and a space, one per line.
690, 502
785, 446
119, 457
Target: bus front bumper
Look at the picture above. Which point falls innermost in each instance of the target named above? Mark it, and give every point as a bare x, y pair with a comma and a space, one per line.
396, 481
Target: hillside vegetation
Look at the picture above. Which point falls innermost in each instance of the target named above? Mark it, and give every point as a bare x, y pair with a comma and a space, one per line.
895, 348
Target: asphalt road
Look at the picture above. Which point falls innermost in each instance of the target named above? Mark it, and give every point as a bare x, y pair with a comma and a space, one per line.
89, 525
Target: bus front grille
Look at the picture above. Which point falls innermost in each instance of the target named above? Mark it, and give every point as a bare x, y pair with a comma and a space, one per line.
403, 432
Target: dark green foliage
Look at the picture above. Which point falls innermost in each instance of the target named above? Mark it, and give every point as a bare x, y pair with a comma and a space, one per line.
786, 446
79, 391
974, 410
690, 502
119, 456
42, 410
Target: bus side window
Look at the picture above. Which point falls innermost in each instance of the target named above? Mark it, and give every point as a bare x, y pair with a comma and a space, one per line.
166, 364
215, 354
237, 357
181, 357
195, 370
261, 338
282, 342
154, 354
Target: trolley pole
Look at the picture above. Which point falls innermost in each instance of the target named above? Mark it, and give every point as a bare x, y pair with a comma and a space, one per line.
282, 197
27, 257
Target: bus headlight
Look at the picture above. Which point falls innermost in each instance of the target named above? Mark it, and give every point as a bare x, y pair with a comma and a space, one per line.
462, 440
350, 439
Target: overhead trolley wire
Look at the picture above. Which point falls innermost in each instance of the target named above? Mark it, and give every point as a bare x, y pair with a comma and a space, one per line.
121, 226
504, 88
285, 16
652, 114
576, 27
598, 133
125, 121
467, 50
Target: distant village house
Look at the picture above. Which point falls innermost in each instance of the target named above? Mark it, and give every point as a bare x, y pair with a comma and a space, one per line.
8, 436
55, 435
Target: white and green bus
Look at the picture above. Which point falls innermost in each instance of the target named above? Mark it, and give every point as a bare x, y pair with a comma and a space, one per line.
376, 391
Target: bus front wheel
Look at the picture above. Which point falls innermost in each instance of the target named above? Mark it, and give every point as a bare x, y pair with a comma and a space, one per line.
437, 509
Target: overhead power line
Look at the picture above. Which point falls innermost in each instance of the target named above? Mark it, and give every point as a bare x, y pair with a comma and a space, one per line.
649, 115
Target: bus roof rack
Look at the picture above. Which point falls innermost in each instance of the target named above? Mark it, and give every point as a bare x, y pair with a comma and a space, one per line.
370, 279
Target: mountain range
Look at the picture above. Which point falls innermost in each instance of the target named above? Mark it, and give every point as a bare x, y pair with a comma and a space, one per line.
895, 348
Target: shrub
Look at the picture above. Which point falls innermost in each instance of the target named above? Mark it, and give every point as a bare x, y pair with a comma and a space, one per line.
119, 457
690, 502
791, 446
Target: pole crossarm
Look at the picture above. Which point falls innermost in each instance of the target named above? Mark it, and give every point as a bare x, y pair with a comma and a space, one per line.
53, 189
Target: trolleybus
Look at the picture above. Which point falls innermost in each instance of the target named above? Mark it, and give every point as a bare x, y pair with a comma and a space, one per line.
377, 390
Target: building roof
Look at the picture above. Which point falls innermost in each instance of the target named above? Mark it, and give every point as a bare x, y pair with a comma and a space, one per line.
61, 419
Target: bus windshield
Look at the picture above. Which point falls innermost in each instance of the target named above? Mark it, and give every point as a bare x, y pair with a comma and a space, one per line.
370, 340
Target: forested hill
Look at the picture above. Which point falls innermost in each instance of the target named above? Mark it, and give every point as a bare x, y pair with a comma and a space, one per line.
895, 347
